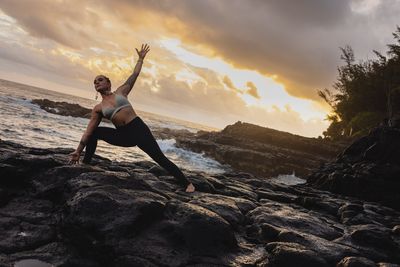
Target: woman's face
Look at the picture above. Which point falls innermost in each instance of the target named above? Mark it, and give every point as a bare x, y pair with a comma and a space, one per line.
101, 84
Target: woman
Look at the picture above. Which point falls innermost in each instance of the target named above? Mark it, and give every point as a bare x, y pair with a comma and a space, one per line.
130, 129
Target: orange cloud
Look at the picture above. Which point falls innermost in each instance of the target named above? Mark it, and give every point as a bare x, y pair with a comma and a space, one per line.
252, 90
228, 82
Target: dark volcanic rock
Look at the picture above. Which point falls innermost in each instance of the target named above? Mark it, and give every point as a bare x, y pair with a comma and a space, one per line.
134, 214
263, 151
285, 217
63, 108
286, 254
369, 168
356, 262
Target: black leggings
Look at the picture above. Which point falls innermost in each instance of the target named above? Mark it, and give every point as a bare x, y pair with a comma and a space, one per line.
134, 133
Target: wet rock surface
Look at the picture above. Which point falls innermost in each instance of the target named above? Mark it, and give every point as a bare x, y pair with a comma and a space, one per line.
134, 214
369, 168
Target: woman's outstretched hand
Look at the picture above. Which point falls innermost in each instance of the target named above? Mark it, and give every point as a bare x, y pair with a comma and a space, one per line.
74, 157
143, 51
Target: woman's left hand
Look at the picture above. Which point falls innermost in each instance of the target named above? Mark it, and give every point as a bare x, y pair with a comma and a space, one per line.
143, 51
74, 157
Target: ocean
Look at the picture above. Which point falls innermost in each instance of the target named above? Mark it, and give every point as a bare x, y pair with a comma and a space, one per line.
26, 123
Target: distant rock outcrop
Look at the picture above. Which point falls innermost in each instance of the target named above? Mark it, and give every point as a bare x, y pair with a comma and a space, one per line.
369, 168
135, 214
263, 151
63, 108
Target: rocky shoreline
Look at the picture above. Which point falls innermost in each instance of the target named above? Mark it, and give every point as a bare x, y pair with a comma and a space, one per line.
243, 146
263, 151
135, 214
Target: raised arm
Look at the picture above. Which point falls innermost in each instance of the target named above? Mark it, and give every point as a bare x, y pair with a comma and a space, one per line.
95, 120
128, 85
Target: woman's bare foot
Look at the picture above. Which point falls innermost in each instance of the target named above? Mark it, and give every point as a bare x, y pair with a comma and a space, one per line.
190, 188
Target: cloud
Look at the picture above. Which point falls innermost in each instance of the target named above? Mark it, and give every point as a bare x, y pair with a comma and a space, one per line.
63, 22
252, 90
228, 82
216, 106
296, 41
67, 72
273, 37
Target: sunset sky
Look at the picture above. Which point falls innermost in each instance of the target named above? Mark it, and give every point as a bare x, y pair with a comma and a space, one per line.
212, 62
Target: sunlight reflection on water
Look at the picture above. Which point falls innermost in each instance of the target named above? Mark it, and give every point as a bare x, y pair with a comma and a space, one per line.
27, 124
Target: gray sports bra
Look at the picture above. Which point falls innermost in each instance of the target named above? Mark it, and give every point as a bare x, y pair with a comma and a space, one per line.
120, 103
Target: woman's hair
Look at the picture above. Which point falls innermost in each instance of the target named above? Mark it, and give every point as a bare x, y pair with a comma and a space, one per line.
108, 80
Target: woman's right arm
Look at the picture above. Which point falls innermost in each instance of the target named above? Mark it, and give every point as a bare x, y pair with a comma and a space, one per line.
128, 85
95, 120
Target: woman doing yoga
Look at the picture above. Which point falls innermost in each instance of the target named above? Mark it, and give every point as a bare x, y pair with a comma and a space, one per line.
130, 128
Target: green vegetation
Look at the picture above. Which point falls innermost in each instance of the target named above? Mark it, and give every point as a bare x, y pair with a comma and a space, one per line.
365, 94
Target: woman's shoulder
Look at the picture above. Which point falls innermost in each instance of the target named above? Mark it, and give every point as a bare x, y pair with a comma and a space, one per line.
97, 108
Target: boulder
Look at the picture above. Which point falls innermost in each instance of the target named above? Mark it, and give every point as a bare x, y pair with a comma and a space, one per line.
369, 169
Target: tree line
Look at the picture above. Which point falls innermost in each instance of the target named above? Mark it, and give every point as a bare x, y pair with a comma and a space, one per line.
366, 93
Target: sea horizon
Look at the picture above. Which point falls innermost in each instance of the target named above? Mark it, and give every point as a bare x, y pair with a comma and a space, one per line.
199, 125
